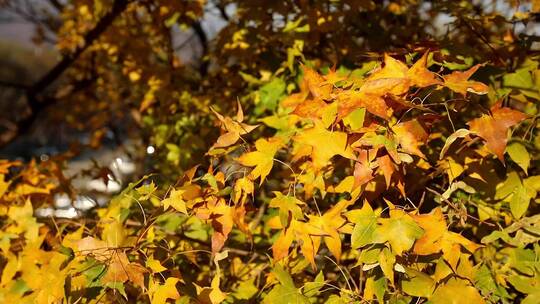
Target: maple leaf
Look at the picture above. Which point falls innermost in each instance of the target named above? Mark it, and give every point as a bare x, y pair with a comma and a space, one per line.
459, 82
213, 294
119, 269
318, 87
154, 265
176, 201
312, 181
222, 222
286, 291
333, 77
234, 129
386, 165
43, 273
393, 70
410, 135
239, 217
309, 238
386, 261
242, 188
159, 293
294, 99
329, 224
401, 78
220, 215
280, 248
262, 159
24, 221
437, 238
364, 231
419, 75
399, 230
93, 247
493, 128
287, 205
456, 290
335, 143
362, 168
349, 101
394, 78
310, 108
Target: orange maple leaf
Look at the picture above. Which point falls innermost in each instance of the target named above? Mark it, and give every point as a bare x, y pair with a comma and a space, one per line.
459, 82
493, 128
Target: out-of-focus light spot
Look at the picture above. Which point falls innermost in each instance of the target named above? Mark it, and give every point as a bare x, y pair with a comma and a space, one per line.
98, 185
44, 212
44, 157
84, 202
150, 149
62, 200
66, 213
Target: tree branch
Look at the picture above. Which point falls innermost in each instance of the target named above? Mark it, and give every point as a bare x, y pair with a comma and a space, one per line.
57, 5
118, 7
35, 97
203, 39
222, 12
7, 83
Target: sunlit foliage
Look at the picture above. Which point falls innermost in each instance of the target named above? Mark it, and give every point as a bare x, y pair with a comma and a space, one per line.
319, 152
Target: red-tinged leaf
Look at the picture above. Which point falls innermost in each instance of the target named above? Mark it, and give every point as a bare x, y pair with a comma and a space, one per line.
380, 86
280, 248
316, 84
121, 270
410, 135
398, 78
373, 103
387, 167
239, 217
420, 76
310, 108
493, 128
362, 169
459, 82
222, 222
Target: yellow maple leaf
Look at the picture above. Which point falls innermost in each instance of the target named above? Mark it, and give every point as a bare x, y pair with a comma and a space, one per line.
262, 159
437, 238
175, 200
399, 230
159, 293
324, 144
329, 224
154, 265
234, 128
24, 221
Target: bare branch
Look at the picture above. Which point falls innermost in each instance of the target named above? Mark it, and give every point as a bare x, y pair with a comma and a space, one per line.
35, 97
